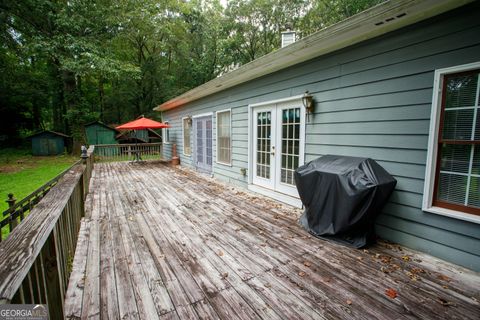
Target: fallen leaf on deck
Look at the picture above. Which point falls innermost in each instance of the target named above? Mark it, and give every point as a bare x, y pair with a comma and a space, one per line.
386, 259
406, 258
302, 274
267, 285
224, 275
392, 293
307, 264
385, 270
359, 258
220, 253
444, 302
444, 278
349, 302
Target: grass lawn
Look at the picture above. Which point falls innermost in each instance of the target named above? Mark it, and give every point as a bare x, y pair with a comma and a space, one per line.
21, 173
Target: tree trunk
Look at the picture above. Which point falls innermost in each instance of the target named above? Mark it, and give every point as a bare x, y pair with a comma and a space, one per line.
58, 97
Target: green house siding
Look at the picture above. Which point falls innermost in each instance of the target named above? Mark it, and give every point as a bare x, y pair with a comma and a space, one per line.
98, 133
372, 100
47, 144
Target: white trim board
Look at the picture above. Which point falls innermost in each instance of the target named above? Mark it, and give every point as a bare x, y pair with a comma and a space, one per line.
266, 103
432, 152
285, 198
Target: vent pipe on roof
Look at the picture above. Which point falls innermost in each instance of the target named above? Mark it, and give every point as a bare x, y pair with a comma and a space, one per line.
288, 37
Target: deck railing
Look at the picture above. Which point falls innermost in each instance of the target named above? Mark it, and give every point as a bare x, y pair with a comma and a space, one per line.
19, 210
35, 260
128, 152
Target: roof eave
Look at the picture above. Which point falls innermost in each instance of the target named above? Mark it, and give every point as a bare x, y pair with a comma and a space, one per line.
355, 29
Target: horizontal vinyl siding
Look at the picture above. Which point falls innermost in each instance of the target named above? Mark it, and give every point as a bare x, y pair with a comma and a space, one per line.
371, 100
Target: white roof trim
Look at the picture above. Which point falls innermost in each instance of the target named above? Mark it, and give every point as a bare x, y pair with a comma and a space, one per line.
355, 29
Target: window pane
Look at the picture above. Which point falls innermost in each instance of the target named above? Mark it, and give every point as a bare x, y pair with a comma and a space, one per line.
461, 91
187, 149
477, 130
476, 160
455, 157
457, 124
452, 188
474, 194
224, 136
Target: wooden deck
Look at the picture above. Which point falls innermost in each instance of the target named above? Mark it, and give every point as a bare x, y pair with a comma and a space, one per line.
172, 244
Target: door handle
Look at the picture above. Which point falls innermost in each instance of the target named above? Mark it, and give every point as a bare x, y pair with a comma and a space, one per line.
273, 151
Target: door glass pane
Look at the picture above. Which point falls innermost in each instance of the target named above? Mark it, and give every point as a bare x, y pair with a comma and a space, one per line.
290, 142
263, 144
199, 142
208, 137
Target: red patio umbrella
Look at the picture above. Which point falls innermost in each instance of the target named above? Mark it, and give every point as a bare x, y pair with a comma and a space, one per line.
141, 123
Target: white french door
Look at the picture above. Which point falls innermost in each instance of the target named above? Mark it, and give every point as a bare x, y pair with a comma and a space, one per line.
278, 145
203, 150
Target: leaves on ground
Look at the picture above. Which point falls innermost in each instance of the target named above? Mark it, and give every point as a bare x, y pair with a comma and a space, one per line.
220, 253
302, 274
444, 302
349, 302
392, 293
444, 278
307, 264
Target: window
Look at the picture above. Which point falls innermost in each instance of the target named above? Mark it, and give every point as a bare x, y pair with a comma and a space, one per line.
456, 177
224, 140
187, 128
166, 134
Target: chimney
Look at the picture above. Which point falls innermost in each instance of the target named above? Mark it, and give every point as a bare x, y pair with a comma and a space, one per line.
288, 37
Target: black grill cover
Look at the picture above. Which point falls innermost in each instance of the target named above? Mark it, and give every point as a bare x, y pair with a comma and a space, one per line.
342, 196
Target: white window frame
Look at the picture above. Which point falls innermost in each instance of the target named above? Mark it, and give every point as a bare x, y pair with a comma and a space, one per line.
216, 138
432, 152
183, 136
166, 134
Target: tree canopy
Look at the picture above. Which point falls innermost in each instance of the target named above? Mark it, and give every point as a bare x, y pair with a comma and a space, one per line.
65, 63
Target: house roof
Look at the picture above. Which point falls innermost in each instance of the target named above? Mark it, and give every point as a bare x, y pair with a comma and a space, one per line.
102, 124
51, 132
383, 18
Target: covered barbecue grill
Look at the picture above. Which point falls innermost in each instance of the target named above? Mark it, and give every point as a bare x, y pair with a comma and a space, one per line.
342, 197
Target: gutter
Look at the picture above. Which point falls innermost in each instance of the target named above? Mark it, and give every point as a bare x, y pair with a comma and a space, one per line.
371, 23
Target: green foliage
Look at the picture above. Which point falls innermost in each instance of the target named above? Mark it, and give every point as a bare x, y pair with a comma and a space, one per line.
65, 63
21, 173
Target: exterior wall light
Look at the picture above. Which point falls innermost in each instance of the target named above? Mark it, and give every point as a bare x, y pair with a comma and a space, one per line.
307, 101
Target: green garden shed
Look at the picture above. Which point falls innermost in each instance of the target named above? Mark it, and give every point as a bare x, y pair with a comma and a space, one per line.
99, 133
48, 143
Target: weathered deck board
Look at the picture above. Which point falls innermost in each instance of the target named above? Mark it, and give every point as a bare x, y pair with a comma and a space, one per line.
171, 244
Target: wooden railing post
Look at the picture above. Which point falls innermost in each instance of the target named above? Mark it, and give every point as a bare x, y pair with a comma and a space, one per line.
11, 202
